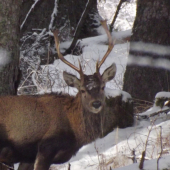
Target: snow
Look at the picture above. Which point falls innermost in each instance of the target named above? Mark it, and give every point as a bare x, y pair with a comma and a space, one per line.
120, 143
150, 165
102, 39
93, 50
152, 110
4, 57
113, 93
126, 16
163, 94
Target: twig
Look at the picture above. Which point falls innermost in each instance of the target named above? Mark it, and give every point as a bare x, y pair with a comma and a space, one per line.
154, 114
53, 15
142, 160
161, 111
161, 148
98, 155
142, 100
134, 156
69, 166
7, 166
144, 152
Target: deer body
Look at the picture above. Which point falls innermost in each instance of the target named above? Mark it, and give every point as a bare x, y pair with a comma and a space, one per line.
26, 130
51, 128
39, 124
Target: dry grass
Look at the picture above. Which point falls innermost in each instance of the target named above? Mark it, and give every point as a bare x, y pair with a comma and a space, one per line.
141, 105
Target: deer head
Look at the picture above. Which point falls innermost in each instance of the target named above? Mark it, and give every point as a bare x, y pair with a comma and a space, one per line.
90, 87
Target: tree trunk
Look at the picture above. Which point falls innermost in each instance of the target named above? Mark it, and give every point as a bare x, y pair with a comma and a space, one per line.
151, 32
9, 48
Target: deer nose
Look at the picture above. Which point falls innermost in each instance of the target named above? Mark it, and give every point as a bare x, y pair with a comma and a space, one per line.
96, 104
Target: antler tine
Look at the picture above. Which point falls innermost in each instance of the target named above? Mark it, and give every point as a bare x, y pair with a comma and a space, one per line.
55, 32
110, 47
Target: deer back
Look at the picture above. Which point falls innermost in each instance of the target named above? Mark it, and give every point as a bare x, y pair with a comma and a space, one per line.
25, 116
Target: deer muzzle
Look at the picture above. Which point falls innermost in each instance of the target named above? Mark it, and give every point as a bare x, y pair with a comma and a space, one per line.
96, 104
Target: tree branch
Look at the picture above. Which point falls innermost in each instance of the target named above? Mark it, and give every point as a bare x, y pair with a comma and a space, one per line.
154, 113
32, 7
116, 14
79, 26
161, 148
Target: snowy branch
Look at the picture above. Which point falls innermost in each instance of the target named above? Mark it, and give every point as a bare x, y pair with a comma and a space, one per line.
54, 14
32, 7
81, 18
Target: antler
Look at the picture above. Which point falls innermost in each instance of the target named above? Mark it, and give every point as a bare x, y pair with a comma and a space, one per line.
98, 64
110, 47
79, 70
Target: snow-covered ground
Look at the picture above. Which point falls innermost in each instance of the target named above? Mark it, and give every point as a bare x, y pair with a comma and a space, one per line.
115, 150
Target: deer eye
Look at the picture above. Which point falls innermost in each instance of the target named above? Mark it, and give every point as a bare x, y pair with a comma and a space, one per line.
82, 91
103, 87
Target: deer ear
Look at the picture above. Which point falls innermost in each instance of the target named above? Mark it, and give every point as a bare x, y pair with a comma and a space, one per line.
109, 73
71, 80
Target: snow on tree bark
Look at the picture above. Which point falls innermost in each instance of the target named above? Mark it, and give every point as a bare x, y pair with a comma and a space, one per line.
151, 27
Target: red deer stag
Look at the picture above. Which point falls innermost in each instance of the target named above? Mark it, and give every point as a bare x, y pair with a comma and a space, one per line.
52, 128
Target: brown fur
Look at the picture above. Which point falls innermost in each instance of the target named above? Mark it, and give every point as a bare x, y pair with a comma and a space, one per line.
30, 124
31, 120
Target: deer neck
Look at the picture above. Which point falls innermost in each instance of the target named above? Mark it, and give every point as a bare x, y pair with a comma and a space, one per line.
93, 125
86, 125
